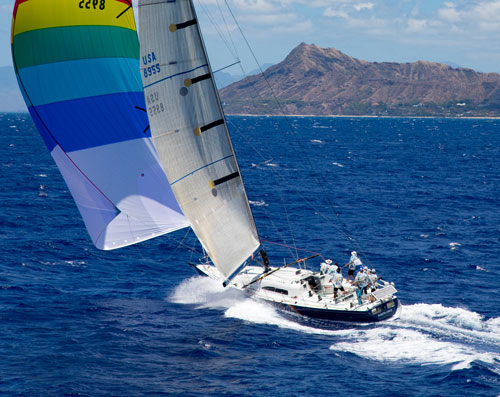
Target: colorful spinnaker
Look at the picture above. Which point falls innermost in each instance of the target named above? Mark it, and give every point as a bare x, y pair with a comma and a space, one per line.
77, 64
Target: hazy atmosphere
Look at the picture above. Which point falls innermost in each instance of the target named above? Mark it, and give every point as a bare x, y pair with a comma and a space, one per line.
462, 32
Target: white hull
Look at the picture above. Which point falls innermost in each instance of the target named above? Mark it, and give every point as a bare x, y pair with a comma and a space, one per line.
301, 292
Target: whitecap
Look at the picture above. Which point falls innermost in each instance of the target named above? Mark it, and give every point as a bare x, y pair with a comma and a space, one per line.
316, 141
425, 334
210, 294
409, 346
429, 334
260, 203
205, 292
338, 165
454, 246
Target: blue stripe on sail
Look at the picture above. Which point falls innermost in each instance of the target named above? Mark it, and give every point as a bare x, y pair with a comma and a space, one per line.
90, 122
61, 81
42, 129
196, 170
177, 74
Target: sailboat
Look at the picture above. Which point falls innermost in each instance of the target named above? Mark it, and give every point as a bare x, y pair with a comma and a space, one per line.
143, 160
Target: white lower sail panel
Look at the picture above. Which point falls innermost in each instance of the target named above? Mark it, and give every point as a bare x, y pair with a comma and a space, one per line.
122, 202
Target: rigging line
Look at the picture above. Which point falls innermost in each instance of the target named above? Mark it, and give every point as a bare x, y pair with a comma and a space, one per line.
219, 32
187, 247
284, 181
300, 249
227, 29
287, 216
182, 241
258, 64
277, 231
279, 268
292, 130
225, 67
252, 83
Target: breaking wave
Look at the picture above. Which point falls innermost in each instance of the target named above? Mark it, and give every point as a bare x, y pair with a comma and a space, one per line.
424, 334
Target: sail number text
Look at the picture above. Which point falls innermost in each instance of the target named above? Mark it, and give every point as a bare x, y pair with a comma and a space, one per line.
95, 4
155, 106
151, 66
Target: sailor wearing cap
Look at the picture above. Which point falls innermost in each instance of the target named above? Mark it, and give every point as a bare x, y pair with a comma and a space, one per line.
373, 279
324, 267
353, 262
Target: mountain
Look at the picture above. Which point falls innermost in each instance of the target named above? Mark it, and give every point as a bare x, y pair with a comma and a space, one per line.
325, 81
223, 79
11, 99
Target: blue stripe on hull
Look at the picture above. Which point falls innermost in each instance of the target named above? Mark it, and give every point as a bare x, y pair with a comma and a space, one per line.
325, 317
86, 123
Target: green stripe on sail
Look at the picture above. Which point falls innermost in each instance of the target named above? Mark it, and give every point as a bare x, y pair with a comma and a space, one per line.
39, 47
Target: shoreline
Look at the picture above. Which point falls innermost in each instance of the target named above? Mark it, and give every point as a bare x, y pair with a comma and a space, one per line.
335, 116
367, 116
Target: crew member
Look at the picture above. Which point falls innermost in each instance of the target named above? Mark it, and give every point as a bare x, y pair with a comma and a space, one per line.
337, 280
373, 279
361, 281
353, 262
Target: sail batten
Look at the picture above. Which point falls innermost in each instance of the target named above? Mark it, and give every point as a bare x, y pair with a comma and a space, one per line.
190, 134
174, 75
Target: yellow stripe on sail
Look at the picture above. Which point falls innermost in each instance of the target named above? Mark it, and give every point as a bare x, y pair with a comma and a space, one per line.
42, 14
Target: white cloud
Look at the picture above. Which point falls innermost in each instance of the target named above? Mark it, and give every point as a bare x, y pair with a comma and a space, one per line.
304, 26
486, 11
417, 25
449, 14
6, 9
481, 16
330, 12
270, 19
363, 6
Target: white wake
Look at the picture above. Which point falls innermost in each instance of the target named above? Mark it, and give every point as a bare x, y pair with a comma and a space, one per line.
424, 334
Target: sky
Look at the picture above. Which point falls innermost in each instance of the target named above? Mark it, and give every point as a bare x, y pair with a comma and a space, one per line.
463, 32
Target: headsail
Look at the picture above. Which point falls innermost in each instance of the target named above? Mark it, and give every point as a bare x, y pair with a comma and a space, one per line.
190, 133
77, 66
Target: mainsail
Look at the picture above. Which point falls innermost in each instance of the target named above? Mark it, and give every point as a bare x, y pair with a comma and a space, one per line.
77, 64
190, 133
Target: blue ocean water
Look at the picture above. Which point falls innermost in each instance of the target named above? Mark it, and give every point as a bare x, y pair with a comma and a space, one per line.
418, 197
